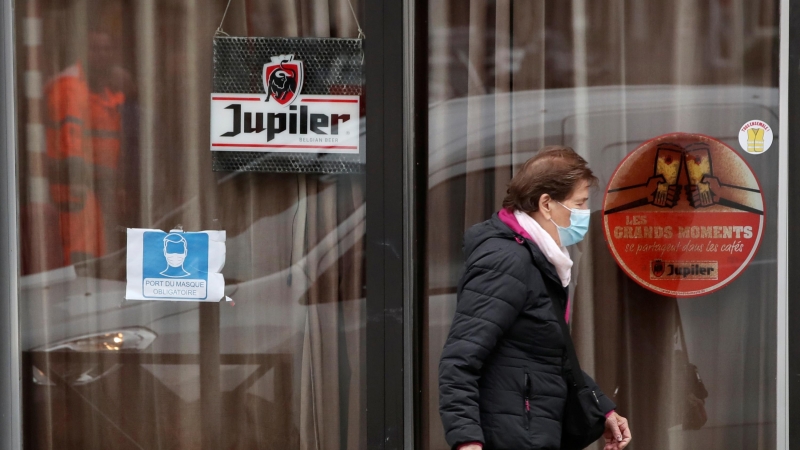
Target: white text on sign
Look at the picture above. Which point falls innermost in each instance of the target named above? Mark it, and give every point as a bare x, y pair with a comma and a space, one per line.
161, 288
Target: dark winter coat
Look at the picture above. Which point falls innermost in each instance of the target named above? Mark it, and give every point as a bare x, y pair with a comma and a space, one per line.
500, 376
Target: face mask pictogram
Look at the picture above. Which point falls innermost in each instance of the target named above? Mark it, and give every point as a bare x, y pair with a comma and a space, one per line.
175, 259
175, 251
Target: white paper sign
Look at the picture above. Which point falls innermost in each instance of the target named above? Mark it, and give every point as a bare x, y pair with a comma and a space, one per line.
175, 266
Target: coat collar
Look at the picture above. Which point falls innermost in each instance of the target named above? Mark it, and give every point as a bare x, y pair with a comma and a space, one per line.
523, 238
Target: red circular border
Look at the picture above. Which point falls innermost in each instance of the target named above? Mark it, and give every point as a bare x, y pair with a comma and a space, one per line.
614, 175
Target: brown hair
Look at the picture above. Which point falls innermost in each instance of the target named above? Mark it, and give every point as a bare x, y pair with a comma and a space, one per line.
555, 170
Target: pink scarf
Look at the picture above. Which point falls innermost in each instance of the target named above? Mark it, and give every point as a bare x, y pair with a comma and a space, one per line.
545, 243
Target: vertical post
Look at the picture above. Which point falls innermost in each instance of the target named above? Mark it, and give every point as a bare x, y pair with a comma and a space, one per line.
788, 357
146, 21
27, 429
415, 168
209, 376
385, 225
43, 251
195, 105
282, 384
10, 412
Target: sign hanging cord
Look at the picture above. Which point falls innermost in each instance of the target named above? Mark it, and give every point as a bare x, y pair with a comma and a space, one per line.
219, 31
361, 34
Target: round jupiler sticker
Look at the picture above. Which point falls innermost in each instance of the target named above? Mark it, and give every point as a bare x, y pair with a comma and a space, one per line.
683, 215
755, 137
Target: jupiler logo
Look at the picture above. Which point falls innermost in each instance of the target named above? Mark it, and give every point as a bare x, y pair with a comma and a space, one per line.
657, 267
283, 79
283, 119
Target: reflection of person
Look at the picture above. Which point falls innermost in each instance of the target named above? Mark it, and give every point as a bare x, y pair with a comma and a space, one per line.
83, 146
175, 251
501, 376
648, 346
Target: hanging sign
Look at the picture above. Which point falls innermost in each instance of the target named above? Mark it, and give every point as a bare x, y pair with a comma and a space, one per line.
175, 266
284, 119
683, 215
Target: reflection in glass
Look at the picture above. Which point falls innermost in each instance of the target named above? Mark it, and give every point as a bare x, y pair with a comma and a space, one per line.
509, 77
113, 135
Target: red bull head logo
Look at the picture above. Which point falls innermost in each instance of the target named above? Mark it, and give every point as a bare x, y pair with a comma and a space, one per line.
283, 79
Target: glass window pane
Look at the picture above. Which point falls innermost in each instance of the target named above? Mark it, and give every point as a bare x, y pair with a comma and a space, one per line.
510, 77
113, 125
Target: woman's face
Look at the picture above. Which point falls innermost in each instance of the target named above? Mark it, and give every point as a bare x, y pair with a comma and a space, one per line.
579, 199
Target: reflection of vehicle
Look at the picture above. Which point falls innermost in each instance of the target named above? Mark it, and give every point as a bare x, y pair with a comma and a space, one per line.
123, 340
74, 305
269, 315
258, 351
612, 128
615, 120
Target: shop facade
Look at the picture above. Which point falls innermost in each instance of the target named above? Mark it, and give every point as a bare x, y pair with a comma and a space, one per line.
342, 262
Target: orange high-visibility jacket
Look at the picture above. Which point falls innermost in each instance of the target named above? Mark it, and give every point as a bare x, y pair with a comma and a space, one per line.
83, 133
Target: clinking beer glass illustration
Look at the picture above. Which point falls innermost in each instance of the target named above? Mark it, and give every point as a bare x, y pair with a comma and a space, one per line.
703, 187
664, 181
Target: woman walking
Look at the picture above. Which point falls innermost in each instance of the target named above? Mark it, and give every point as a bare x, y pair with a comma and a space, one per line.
505, 377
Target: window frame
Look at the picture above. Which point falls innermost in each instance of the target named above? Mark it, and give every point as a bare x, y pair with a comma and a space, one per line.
386, 211
10, 400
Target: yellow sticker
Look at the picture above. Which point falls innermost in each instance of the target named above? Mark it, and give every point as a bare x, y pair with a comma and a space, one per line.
755, 137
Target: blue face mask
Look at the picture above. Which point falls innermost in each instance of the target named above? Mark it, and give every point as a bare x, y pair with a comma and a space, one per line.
578, 226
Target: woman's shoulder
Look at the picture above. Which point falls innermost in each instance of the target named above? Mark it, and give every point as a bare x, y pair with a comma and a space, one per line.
505, 255
490, 235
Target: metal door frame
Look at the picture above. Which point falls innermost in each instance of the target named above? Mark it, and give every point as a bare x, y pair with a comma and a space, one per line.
10, 405
386, 203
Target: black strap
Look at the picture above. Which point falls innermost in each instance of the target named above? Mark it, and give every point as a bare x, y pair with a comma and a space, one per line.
576, 372
680, 330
